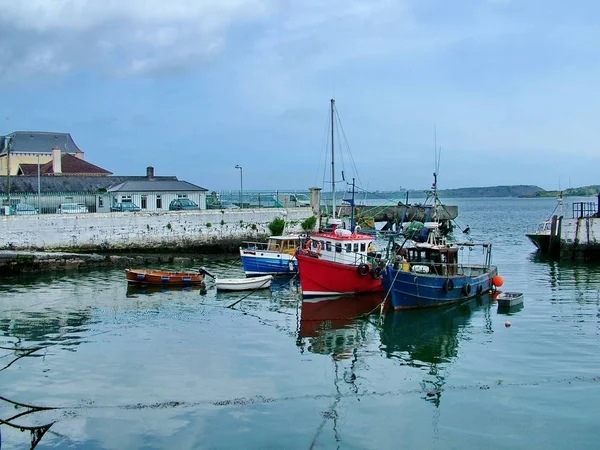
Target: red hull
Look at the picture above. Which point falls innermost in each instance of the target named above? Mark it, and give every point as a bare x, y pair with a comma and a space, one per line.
319, 277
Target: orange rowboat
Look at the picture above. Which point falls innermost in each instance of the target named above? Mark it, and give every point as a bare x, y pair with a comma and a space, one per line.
150, 276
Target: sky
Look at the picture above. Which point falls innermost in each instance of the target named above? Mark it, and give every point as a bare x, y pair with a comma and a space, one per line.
196, 87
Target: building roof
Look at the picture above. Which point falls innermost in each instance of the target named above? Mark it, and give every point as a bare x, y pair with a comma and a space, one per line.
155, 185
38, 142
75, 184
70, 166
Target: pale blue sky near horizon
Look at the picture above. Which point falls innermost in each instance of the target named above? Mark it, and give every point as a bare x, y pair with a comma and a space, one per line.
195, 87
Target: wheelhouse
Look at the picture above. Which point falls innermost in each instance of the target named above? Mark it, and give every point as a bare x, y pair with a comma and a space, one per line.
342, 246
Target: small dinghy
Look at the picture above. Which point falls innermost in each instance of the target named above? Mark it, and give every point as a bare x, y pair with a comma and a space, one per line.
510, 299
163, 277
243, 284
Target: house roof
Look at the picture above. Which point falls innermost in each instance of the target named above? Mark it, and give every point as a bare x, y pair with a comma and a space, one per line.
70, 166
162, 185
75, 184
38, 142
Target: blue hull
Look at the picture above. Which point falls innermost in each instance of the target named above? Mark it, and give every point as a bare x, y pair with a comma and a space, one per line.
268, 266
408, 290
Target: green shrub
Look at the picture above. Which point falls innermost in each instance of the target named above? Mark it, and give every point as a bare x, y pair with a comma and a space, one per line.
223, 222
277, 226
309, 223
208, 224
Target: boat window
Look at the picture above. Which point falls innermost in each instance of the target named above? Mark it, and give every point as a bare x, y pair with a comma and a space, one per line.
363, 246
356, 247
338, 247
328, 246
348, 248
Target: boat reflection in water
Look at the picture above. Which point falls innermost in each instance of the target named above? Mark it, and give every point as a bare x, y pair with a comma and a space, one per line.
429, 339
335, 325
149, 289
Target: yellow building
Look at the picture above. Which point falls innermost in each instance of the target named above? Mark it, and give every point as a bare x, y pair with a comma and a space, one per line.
35, 147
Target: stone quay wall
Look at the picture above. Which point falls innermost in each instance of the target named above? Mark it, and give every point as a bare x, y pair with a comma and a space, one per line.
144, 231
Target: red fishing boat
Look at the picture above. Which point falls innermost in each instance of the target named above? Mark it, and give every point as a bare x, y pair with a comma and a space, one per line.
151, 276
339, 262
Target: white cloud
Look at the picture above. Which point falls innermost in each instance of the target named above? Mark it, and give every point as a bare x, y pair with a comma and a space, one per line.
40, 37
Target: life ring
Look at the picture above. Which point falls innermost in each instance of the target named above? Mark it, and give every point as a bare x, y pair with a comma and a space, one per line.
467, 289
319, 247
376, 273
448, 285
308, 244
362, 269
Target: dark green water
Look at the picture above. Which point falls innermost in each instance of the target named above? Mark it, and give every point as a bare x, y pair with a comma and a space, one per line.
134, 369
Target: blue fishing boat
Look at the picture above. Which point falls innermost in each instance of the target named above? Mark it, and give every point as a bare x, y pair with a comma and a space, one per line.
274, 257
434, 273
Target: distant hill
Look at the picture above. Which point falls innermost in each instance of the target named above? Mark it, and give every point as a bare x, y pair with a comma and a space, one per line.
492, 191
584, 191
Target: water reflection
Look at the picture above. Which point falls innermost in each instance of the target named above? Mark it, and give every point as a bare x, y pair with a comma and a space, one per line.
429, 339
15, 421
58, 326
334, 326
133, 290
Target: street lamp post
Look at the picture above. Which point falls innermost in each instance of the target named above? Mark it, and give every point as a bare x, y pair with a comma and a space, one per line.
241, 183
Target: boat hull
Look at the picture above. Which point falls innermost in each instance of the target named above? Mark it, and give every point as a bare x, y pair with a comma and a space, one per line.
267, 263
321, 278
161, 277
541, 241
243, 284
408, 290
510, 299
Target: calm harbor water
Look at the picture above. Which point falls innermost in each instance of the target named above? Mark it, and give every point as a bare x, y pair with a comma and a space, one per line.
142, 368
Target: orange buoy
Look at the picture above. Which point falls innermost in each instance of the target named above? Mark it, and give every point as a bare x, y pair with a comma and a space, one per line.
497, 281
507, 324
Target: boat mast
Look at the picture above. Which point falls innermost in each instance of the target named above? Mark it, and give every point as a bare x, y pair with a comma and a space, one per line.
332, 162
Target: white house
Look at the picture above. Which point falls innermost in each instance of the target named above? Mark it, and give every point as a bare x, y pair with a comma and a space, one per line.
151, 194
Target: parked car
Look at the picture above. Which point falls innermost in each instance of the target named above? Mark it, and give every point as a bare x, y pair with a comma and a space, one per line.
127, 206
72, 208
300, 199
224, 204
25, 208
182, 204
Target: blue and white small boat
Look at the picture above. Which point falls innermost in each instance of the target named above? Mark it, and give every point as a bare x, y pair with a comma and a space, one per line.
274, 257
429, 274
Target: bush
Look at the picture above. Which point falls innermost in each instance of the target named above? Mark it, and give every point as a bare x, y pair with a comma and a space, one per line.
309, 223
277, 226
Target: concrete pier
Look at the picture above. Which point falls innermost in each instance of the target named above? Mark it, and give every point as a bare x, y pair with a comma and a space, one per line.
144, 231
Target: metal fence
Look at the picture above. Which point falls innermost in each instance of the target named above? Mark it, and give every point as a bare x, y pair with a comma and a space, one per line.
48, 203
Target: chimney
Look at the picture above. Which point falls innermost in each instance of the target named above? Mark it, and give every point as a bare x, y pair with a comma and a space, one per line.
56, 160
79, 154
150, 172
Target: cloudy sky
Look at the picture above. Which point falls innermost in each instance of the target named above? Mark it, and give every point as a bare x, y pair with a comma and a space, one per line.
194, 87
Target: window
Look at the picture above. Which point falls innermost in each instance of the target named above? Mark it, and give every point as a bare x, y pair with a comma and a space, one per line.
328, 246
363, 247
158, 202
144, 202
100, 202
338, 247
356, 247
125, 198
181, 195
348, 248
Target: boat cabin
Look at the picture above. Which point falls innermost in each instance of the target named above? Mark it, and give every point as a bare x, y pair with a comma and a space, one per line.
342, 246
431, 259
278, 244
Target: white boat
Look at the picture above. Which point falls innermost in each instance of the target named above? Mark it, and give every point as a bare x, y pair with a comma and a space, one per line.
510, 298
243, 284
